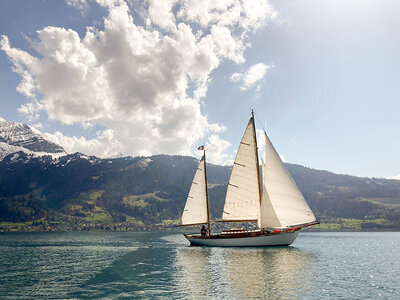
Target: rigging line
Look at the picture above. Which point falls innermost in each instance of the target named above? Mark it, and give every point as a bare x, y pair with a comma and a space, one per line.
209, 147
258, 120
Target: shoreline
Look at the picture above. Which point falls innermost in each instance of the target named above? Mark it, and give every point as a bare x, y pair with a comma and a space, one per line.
338, 225
12, 230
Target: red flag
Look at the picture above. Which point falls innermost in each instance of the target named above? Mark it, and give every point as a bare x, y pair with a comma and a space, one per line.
200, 148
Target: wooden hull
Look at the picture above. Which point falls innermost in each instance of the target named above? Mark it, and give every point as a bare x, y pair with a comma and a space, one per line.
244, 239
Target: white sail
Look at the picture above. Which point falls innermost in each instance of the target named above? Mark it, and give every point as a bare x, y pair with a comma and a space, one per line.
268, 217
195, 211
242, 200
282, 194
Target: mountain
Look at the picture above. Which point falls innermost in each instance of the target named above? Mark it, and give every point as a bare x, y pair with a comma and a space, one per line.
43, 189
16, 137
78, 191
356, 202
84, 189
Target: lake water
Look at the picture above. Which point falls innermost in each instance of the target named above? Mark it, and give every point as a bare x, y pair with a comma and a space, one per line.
155, 265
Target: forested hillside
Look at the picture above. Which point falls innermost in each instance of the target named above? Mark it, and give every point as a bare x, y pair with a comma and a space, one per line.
80, 192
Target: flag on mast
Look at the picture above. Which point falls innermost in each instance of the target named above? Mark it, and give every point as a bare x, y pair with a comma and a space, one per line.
200, 148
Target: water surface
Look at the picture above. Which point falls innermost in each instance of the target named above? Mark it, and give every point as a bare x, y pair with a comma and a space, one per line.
155, 265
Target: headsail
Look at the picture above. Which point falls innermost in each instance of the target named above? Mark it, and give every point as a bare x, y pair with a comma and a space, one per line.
195, 211
281, 194
268, 217
242, 202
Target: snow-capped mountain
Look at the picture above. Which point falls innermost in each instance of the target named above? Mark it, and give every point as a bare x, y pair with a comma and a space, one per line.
16, 137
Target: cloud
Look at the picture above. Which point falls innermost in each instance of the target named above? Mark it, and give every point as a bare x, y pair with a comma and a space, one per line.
252, 76
37, 127
134, 80
2, 120
81, 5
217, 151
397, 177
217, 128
31, 109
21, 61
160, 14
105, 145
260, 141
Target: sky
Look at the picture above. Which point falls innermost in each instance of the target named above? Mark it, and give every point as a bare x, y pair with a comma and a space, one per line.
107, 77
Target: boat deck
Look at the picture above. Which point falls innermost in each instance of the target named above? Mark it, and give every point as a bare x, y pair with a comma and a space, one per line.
239, 234
243, 233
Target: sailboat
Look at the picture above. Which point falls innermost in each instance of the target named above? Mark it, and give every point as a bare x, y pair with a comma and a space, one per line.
272, 200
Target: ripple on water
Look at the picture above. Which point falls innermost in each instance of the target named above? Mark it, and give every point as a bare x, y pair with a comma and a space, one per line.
114, 265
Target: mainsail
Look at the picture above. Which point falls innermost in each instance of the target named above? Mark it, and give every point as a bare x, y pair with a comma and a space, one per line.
242, 202
282, 202
195, 211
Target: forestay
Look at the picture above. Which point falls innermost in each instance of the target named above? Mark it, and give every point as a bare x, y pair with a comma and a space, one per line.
281, 193
242, 202
195, 211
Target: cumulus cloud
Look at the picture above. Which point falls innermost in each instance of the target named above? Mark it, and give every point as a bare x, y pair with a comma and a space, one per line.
21, 60
2, 120
217, 128
160, 14
105, 145
134, 80
218, 147
252, 76
397, 177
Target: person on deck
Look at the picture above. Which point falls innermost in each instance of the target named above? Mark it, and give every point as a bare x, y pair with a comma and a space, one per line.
203, 231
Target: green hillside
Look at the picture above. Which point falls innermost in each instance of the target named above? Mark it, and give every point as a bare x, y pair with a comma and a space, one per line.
85, 193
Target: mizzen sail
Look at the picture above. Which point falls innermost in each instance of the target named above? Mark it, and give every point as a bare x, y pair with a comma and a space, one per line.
282, 194
242, 202
195, 211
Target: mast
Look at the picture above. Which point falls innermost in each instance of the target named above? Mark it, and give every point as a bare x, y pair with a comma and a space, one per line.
256, 150
208, 204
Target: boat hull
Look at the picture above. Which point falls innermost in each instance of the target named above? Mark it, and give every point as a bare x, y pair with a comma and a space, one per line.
249, 239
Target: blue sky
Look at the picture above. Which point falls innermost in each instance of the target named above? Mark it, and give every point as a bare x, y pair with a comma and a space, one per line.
167, 76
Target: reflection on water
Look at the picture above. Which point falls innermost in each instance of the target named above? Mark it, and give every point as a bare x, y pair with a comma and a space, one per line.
193, 271
156, 265
271, 273
241, 273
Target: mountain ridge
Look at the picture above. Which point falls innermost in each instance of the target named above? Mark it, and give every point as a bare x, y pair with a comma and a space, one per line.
16, 137
150, 192
78, 191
